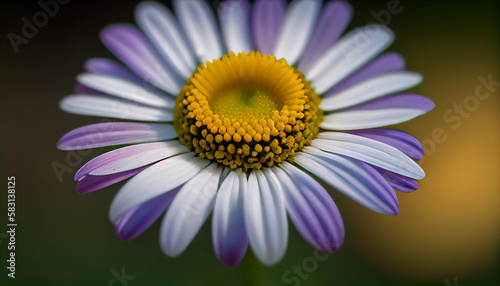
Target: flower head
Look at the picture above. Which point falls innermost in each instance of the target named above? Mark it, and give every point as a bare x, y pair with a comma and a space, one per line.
253, 117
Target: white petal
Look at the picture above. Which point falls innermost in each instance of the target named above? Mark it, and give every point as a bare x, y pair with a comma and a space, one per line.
229, 236
189, 210
265, 217
297, 28
158, 179
199, 24
370, 89
235, 22
362, 119
162, 29
370, 151
107, 106
126, 90
350, 53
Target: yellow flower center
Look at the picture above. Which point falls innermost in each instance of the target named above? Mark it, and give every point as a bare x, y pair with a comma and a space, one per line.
247, 111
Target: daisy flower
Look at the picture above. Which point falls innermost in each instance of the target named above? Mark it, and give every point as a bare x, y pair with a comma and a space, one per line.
245, 113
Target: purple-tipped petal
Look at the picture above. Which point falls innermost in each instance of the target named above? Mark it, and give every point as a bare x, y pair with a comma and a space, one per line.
311, 209
380, 112
109, 67
229, 236
370, 151
130, 157
132, 47
334, 18
350, 53
410, 101
387, 62
397, 181
115, 133
398, 139
267, 19
354, 178
82, 89
93, 183
370, 89
140, 218
158, 179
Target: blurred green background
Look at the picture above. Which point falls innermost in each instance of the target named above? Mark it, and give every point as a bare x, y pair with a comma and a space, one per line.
447, 232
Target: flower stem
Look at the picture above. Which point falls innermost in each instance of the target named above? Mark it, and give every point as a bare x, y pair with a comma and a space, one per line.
250, 271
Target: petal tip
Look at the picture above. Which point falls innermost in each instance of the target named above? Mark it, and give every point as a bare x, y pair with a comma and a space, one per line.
230, 260
110, 32
124, 236
62, 144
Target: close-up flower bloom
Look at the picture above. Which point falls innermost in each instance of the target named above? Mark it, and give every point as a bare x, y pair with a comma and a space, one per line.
246, 114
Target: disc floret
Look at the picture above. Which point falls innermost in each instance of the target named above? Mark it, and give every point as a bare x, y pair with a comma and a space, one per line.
247, 111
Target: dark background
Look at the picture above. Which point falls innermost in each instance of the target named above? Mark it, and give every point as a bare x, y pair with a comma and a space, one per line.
447, 232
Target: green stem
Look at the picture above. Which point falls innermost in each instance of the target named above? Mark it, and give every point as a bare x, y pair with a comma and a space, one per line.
250, 271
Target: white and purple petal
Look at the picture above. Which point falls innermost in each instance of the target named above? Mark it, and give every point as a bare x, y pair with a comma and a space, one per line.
158, 179
189, 210
370, 151
140, 218
229, 236
165, 34
350, 53
126, 89
380, 112
388, 62
115, 133
265, 216
354, 178
92, 183
109, 106
334, 18
311, 209
130, 157
398, 139
297, 28
131, 46
397, 181
82, 89
370, 89
109, 67
267, 20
